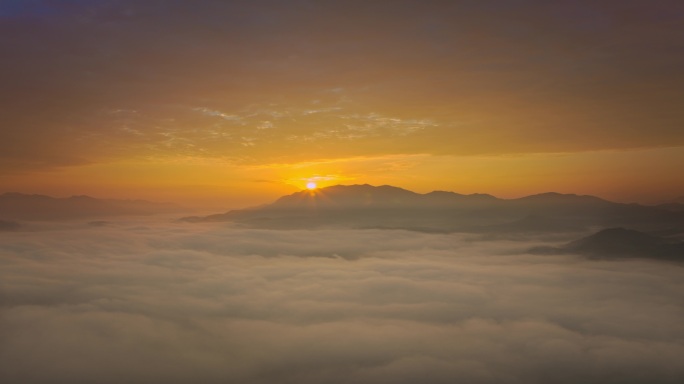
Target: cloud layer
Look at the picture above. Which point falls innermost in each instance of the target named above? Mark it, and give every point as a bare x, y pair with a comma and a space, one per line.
166, 303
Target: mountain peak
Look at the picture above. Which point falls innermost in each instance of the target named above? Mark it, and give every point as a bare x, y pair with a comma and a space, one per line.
615, 241
82, 198
386, 206
555, 197
388, 195
558, 195
370, 196
361, 187
340, 196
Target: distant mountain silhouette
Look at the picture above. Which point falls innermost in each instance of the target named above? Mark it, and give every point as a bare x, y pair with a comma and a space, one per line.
368, 196
367, 206
672, 207
615, 241
19, 206
360, 206
621, 243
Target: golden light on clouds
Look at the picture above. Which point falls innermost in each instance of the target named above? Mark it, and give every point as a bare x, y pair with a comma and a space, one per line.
581, 98
630, 175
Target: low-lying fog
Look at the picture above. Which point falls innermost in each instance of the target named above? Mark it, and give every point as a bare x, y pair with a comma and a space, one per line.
126, 302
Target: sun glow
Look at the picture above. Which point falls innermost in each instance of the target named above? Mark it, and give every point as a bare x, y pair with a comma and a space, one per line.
311, 185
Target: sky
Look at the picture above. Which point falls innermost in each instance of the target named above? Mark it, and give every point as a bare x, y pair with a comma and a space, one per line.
234, 103
151, 302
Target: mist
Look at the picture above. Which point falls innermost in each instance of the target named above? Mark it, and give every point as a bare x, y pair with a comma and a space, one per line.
159, 302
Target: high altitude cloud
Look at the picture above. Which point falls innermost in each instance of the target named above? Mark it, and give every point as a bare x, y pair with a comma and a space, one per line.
268, 81
174, 303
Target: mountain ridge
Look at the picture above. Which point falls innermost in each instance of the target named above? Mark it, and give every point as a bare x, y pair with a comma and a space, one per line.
385, 206
21, 206
620, 243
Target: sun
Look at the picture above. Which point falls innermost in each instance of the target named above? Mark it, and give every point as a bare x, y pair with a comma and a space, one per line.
311, 185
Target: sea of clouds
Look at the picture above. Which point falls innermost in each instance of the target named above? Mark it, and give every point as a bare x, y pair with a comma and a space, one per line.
128, 302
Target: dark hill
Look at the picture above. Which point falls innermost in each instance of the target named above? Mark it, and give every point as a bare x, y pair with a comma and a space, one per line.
348, 196
368, 196
367, 206
19, 206
615, 243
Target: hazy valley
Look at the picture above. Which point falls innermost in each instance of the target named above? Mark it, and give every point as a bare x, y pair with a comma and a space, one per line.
347, 284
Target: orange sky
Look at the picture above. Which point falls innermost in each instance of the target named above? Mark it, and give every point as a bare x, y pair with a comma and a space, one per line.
232, 104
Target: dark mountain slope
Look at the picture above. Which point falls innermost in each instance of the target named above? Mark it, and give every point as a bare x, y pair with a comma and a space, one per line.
366, 206
18, 206
615, 243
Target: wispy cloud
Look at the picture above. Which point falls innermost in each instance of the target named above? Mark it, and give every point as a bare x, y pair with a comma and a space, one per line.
379, 124
307, 112
224, 116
